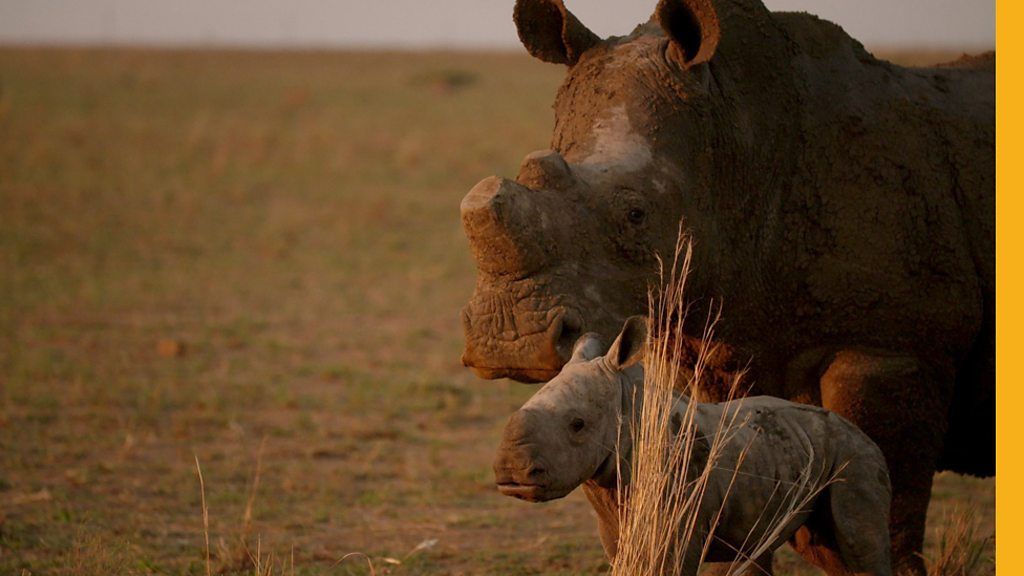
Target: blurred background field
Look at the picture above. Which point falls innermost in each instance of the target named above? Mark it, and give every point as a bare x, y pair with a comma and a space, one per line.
255, 259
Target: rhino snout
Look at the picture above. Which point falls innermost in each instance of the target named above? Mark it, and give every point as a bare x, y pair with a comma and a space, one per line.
530, 348
520, 475
518, 469
515, 472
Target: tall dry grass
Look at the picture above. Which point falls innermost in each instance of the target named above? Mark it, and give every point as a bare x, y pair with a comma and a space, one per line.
961, 550
206, 514
663, 525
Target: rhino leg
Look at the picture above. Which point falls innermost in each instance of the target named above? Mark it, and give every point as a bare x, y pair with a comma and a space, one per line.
859, 509
902, 403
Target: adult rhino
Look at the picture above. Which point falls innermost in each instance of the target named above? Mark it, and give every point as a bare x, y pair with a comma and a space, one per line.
841, 210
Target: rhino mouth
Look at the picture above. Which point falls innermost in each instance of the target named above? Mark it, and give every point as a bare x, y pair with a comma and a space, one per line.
528, 492
525, 375
528, 347
531, 492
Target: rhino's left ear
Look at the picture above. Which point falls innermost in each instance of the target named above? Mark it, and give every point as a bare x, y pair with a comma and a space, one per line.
692, 28
550, 32
628, 348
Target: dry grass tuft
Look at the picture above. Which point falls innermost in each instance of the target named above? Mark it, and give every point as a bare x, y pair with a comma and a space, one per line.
206, 514
357, 556
247, 516
247, 559
665, 494
961, 550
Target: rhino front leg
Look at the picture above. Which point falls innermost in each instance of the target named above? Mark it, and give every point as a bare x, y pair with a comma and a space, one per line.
882, 394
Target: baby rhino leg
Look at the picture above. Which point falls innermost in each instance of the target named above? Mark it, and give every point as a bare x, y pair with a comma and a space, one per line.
902, 403
860, 522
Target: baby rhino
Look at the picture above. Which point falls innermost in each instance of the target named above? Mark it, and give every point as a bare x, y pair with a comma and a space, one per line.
566, 435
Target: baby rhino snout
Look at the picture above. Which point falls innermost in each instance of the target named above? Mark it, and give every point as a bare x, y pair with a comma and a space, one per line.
518, 468
518, 471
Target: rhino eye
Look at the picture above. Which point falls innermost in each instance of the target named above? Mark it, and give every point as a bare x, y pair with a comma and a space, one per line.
636, 215
577, 424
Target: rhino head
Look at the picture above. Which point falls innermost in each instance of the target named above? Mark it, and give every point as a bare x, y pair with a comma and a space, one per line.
569, 431
571, 245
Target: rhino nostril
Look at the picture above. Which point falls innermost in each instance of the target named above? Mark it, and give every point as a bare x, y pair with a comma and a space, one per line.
536, 472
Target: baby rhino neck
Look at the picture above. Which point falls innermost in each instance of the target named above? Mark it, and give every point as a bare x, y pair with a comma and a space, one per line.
605, 501
603, 490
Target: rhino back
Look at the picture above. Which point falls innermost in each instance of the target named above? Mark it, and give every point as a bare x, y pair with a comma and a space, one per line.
887, 227
886, 237
776, 444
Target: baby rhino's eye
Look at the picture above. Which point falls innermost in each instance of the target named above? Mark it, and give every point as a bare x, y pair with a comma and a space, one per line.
577, 424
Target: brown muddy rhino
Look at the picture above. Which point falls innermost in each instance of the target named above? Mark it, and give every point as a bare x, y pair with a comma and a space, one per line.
841, 210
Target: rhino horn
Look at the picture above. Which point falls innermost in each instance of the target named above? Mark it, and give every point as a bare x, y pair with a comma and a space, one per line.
545, 170
503, 227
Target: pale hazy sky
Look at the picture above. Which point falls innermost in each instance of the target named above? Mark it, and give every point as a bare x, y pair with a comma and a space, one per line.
437, 23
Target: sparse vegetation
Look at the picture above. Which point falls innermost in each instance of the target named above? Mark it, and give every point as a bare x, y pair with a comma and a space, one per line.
960, 549
203, 250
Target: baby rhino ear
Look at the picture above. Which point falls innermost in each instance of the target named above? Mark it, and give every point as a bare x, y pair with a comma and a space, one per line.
587, 348
628, 348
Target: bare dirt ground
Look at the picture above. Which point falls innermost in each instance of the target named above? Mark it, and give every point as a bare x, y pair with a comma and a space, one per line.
205, 253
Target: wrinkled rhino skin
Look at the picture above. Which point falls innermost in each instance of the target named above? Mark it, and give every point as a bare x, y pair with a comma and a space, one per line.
841, 210
576, 431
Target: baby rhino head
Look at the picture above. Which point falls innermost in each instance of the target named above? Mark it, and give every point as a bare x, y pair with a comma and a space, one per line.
567, 432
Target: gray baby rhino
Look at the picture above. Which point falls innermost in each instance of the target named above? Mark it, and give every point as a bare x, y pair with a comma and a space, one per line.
565, 436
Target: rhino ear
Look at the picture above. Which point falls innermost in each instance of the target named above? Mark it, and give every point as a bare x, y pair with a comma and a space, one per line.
550, 32
628, 348
692, 28
587, 347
